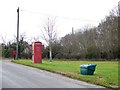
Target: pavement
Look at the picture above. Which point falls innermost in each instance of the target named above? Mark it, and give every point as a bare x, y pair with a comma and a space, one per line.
20, 76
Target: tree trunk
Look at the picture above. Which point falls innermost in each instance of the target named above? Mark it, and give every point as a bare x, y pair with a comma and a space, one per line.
50, 53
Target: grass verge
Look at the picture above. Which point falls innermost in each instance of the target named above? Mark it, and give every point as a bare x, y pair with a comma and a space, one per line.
106, 73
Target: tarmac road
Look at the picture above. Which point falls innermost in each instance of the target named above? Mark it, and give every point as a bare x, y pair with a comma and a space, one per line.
20, 76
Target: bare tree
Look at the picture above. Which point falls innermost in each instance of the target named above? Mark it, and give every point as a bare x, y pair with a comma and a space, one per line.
4, 39
49, 33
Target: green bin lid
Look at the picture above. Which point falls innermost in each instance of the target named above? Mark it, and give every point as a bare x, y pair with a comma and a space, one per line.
87, 65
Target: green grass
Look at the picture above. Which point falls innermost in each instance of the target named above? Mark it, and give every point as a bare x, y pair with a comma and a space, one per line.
106, 73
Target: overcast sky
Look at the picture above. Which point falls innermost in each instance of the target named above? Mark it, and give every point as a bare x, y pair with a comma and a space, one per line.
70, 13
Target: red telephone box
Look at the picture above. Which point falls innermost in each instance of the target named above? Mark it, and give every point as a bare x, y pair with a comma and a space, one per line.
37, 52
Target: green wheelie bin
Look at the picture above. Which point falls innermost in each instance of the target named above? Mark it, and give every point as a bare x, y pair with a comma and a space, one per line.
87, 69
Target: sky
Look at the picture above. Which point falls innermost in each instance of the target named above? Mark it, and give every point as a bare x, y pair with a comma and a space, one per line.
68, 13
